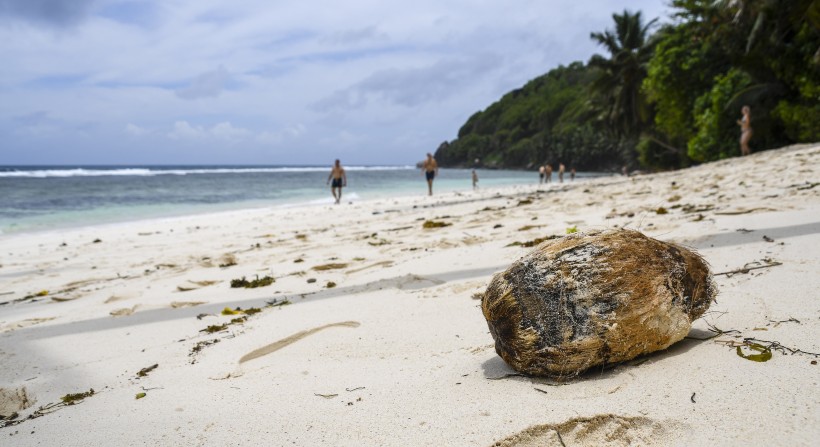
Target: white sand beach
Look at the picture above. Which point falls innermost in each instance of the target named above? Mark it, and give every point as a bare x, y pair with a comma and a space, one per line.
372, 334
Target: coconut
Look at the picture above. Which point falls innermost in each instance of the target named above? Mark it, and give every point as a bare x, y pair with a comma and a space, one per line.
594, 299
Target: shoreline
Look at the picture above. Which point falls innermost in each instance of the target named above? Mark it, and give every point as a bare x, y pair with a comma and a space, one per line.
387, 344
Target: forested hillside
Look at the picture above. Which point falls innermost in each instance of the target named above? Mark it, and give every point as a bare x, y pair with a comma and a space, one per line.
663, 96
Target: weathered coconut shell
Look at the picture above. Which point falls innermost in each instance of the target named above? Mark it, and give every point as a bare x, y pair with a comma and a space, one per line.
594, 299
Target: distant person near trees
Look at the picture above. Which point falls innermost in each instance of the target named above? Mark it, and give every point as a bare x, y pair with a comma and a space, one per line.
430, 168
548, 173
572, 174
339, 178
475, 180
542, 171
745, 123
561, 169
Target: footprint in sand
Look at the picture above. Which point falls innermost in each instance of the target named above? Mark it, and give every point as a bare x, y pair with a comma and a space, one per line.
125, 311
606, 429
275, 346
24, 324
13, 400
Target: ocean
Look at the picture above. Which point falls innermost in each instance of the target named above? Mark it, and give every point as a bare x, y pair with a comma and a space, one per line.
38, 198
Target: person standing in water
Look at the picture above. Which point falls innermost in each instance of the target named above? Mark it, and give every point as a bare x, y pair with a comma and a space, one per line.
745, 123
339, 178
561, 169
542, 170
548, 173
430, 168
475, 180
572, 174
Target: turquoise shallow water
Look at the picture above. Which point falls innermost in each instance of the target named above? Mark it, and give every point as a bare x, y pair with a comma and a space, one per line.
45, 198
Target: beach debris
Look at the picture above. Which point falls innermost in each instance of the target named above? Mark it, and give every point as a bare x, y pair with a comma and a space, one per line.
199, 346
596, 298
767, 238
278, 303
524, 202
228, 260
298, 260
692, 398
661, 210
764, 353
75, 398
144, 371
97, 241
311, 280
67, 400
229, 311
326, 396
258, 282
533, 242
139, 396
214, 328
331, 266
766, 263
572, 229
330, 285
201, 316
428, 224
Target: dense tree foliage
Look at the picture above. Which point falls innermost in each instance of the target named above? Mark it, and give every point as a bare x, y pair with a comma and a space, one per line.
663, 100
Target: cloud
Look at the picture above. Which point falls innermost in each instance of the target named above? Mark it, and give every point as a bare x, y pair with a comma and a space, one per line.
184, 131
206, 85
225, 131
288, 133
412, 87
133, 129
36, 123
49, 12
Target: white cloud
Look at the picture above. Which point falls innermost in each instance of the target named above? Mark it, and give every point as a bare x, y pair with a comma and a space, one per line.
184, 131
223, 131
133, 129
226, 131
206, 85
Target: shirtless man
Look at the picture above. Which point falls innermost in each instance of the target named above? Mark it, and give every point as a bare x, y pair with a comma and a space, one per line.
548, 170
475, 180
541, 172
430, 168
337, 174
561, 172
745, 123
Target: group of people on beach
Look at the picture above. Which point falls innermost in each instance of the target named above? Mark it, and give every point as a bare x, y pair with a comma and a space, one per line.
338, 178
545, 173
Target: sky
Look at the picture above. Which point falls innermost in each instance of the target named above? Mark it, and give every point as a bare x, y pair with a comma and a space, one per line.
271, 82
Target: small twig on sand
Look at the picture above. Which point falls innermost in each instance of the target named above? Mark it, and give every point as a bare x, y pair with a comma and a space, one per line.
505, 376
560, 439
693, 398
746, 269
776, 346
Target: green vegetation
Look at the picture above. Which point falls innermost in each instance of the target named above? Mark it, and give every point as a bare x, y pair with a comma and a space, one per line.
665, 99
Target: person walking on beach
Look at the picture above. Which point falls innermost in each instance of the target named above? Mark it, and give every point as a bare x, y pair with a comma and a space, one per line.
745, 123
542, 171
548, 173
430, 168
339, 178
572, 174
561, 172
475, 180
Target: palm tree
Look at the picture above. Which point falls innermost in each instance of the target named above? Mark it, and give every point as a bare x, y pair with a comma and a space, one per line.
622, 74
